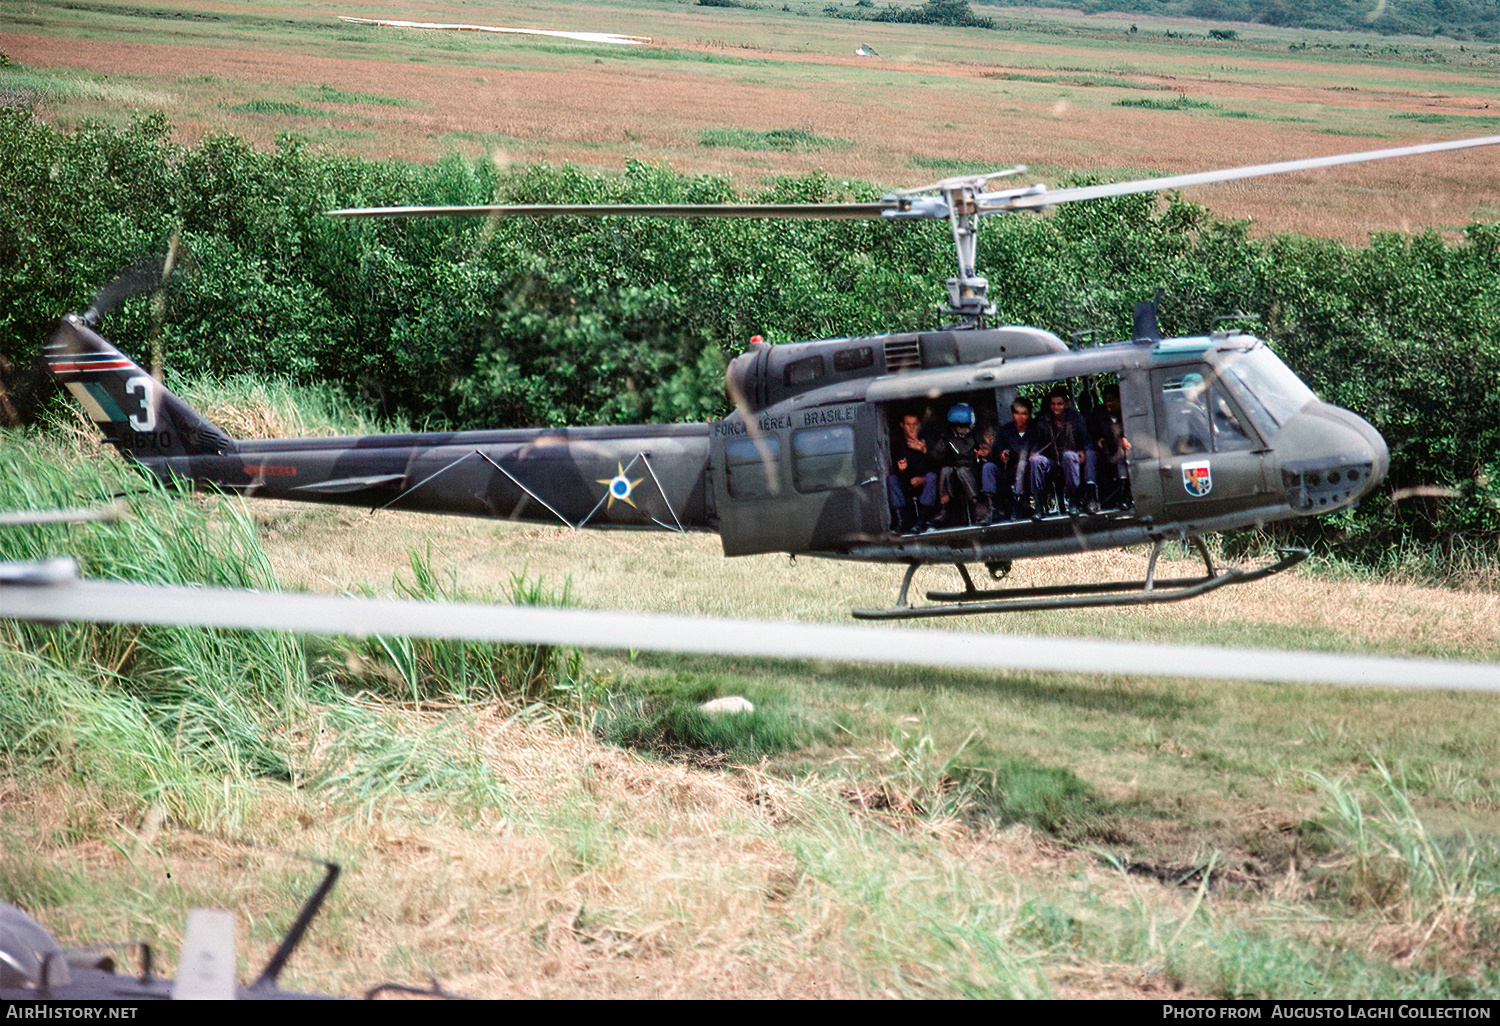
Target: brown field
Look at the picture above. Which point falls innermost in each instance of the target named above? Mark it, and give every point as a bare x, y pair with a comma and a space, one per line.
937, 98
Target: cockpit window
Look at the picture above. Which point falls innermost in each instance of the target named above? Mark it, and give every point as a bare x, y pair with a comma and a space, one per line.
1199, 417
1267, 389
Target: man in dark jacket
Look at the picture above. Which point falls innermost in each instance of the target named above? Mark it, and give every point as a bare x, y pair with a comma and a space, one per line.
912, 484
960, 477
1011, 458
1064, 449
1107, 431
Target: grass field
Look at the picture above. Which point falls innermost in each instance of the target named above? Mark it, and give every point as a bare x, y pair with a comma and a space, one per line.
877, 832
1058, 93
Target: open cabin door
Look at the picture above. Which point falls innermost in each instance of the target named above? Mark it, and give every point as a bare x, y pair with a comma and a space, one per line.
810, 479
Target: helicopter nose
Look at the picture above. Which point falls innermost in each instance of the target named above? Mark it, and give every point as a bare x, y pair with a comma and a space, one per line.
1333, 459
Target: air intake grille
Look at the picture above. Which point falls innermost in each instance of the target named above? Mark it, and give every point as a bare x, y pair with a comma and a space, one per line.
902, 354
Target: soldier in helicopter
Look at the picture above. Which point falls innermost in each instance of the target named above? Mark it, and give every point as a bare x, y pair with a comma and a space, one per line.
1107, 430
1064, 451
1014, 445
959, 481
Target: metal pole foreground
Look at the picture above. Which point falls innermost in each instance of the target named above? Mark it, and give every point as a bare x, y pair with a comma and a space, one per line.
117, 602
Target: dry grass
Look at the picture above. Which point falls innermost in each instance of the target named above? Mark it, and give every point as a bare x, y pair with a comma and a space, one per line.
656, 571
613, 877
603, 874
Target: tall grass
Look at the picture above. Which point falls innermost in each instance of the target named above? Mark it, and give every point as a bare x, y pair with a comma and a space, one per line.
256, 407
193, 720
1439, 896
422, 670
179, 716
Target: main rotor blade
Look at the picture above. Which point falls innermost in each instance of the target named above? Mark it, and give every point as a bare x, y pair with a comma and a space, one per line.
120, 602
904, 205
822, 211
1003, 202
27, 518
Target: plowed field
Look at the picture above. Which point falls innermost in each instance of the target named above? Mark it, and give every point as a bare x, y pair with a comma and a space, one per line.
1059, 94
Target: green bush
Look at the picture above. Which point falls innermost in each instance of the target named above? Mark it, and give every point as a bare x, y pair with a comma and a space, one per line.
571, 321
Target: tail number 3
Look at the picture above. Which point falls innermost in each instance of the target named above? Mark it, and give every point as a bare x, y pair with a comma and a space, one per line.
145, 421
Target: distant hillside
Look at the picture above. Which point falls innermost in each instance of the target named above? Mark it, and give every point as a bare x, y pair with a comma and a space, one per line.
1460, 19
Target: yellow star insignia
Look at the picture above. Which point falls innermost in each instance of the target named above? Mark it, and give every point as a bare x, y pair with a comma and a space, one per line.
619, 487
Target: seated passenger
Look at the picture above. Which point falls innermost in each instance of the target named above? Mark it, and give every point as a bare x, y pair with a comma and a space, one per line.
1064, 449
912, 483
989, 476
1014, 445
1107, 429
959, 478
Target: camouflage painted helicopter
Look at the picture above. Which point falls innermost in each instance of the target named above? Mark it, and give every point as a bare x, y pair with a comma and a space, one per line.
1221, 434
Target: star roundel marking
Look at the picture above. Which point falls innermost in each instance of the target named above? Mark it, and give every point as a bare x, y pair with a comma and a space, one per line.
619, 487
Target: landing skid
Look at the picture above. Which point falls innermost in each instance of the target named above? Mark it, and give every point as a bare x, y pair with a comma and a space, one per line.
1076, 596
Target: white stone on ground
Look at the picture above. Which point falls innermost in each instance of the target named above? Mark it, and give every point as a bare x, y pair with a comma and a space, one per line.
728, 704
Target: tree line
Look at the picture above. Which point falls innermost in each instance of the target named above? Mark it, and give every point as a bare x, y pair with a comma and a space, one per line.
504, 323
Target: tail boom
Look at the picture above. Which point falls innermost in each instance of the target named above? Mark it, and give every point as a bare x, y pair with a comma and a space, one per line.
642, 477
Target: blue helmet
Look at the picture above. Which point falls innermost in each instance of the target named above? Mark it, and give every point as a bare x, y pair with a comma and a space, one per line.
961, 413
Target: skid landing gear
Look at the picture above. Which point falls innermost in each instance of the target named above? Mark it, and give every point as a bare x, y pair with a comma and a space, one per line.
1076, 596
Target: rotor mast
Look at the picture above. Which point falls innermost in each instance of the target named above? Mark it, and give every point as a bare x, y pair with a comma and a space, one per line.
963, 201
969, 293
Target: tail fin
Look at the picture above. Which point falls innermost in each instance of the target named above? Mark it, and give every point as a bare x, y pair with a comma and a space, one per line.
133, 411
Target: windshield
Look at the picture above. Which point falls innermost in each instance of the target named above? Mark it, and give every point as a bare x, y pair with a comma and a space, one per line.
1268, 390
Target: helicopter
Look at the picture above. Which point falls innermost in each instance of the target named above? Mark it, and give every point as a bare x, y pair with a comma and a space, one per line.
1219, 433
34, 967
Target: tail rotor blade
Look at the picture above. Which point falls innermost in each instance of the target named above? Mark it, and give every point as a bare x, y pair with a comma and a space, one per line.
142, 276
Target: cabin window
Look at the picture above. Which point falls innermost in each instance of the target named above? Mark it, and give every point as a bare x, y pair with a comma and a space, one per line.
804, 371
1229, 433
823, 458
853, 359
1185, 406
750, 466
